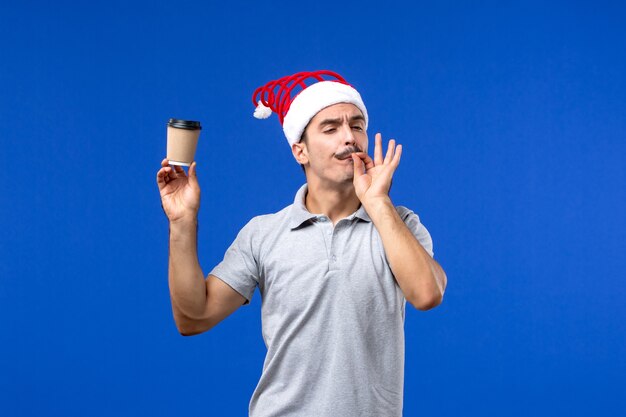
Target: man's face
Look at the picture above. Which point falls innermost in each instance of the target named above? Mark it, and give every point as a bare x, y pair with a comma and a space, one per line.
331, 137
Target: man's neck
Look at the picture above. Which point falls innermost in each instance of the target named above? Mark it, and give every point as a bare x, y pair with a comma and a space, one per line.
336, 202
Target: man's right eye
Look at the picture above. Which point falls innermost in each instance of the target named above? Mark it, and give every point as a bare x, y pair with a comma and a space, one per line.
330, 130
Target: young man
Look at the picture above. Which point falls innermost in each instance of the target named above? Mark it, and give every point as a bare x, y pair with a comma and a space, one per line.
334, 269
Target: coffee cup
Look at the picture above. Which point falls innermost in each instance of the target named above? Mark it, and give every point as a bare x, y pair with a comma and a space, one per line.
182, 140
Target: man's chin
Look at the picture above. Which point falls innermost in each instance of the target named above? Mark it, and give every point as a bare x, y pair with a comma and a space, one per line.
348, 177
344, 178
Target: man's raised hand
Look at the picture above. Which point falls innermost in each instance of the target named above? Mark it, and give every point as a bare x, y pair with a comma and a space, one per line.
180, 193
372, 178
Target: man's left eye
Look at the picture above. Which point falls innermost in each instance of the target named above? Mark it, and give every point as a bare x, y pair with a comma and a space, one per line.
359, 128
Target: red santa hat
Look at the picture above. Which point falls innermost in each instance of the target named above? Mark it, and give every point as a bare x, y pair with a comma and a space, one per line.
296, 111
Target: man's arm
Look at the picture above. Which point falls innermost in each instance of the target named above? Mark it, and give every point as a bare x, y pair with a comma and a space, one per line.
420, 277
197, 304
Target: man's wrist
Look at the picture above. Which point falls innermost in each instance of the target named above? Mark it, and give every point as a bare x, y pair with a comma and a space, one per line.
381, 211
183, 226
376, 204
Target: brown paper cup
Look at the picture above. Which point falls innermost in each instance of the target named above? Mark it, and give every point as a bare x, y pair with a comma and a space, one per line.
182, 140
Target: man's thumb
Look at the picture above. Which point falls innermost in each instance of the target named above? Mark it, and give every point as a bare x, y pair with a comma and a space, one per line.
192, 173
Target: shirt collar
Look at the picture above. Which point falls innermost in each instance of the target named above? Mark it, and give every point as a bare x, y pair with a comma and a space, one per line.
362, 214
299, 213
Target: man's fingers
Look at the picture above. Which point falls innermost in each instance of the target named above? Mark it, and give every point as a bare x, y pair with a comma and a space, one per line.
163, 177
396, 159
390, 149
179, 170
358, 166
369, 163
160, 176
171, 172
166, 172
378, 150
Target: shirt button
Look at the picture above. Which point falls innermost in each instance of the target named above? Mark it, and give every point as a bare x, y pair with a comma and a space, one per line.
334, 258
322, 218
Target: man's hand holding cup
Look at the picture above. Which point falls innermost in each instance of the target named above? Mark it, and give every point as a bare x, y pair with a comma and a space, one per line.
180, 192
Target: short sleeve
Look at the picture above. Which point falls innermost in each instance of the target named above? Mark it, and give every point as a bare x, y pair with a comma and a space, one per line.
420, 232
239, 268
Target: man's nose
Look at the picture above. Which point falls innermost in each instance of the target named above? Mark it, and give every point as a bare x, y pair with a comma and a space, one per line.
349, 138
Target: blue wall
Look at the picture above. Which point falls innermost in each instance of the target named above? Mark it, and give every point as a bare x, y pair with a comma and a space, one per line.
512, 119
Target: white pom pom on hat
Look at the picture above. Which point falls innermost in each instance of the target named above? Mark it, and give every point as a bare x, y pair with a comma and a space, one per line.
296, 113
261, 111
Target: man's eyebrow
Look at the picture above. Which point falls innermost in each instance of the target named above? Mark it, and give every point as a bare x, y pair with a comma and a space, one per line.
338, 121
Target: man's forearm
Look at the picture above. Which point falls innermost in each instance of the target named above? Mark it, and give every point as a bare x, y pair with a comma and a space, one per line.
419, 276
186, 279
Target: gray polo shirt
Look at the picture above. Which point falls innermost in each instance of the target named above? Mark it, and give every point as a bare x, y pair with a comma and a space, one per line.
332, 312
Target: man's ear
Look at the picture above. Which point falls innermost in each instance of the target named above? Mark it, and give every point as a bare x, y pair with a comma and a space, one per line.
300, 152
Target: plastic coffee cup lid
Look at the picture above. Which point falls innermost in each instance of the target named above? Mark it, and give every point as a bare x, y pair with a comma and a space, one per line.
184, 124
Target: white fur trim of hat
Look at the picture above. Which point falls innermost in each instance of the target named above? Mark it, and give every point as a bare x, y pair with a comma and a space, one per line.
314, 98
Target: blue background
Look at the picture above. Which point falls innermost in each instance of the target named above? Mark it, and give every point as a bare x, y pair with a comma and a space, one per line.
512, 118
